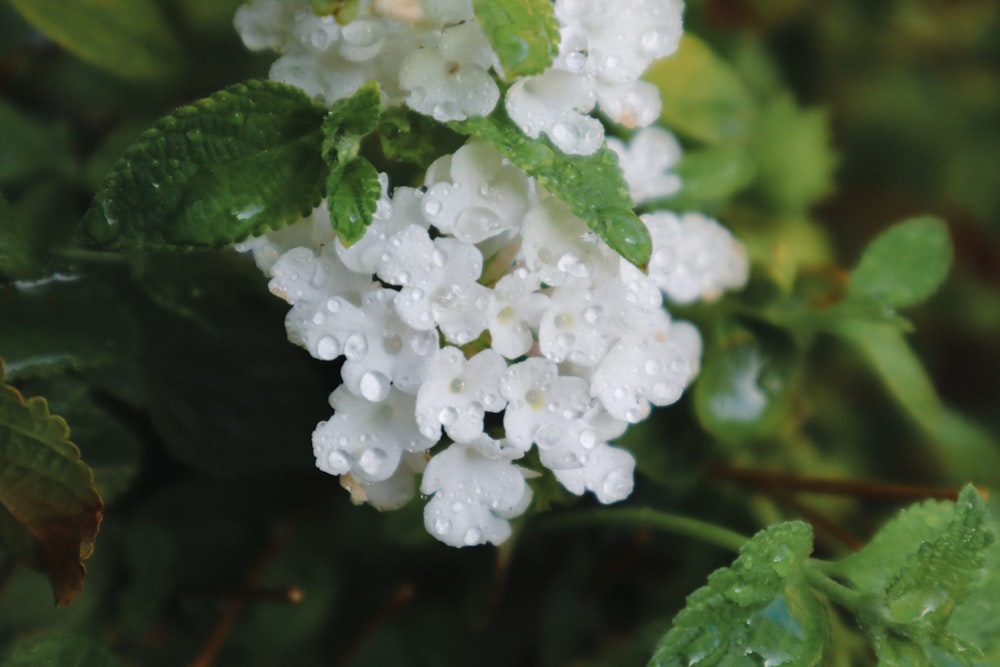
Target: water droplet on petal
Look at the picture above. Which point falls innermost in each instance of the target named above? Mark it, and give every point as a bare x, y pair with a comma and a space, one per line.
327, 348
373, 461
374, 386
356, 346
473, 536
448, 415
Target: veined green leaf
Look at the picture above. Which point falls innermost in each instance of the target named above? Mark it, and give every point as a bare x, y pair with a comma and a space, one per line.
523, 33
352, 188
408, 136
592, 185
50, 511
237, 163
905, 264
128, 37
757, 611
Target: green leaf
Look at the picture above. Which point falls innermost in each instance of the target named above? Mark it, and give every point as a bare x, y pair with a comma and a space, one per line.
108, 446
408, 136
16, 258
710, 176
352, 188
41, 219
757, 611
63, 650
795, 161
352, 194
232, 165
592, 185
523, 33
743, 389
905, 264
920, 566
128, 37
703, 98
975, 618
964, 449
63, 323
50, 511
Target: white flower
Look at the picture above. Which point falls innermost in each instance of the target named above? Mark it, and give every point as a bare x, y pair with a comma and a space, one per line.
516, 308
542, 405
391, 352
646, 162
265, 24
391, 493
457, 393
645, 366
606, 471
556, 103
449, 80
482, 196
473, 497
558, 247
439, 283
367, 439
391, 217
694, 256
312, 231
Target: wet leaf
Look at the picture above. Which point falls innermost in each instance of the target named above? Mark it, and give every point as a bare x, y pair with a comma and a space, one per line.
352, 188
408, 136
50, 511
523, 33
703, 98
905, 264
235, 164
591, 185
130, 38
758, 610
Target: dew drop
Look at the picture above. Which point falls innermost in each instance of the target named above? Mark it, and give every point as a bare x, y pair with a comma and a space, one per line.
633, 415
393, 344
456, 386
442, 526
593, 314
356, 346
339, 462
431, 206
588, 439
563, 321
473, 536
565, 341
318, 318
327, 348
373, 461
652, 367
374, 386
448, 415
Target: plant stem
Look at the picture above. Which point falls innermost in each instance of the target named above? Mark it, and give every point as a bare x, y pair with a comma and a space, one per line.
854, 601
647, 517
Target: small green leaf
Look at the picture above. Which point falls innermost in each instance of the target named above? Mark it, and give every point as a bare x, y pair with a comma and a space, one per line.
235, 164
523, 33
408, 136
905, 264
64, 324
50, 511
975, 618
920, 566
29, 149
64, 650
703, 98
352, 194
795, 161
757, 611
352, 188
592, 186
743, 389
130, 38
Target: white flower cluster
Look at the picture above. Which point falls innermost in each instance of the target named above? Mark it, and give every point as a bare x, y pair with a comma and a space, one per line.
433, 55
478, 311
480, 308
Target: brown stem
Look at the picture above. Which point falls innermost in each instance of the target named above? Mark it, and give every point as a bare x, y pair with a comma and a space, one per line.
240, 598
770, 480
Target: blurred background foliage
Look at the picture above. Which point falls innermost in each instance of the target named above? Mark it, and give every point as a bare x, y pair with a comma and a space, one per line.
809, 127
